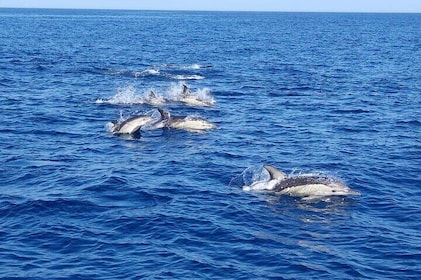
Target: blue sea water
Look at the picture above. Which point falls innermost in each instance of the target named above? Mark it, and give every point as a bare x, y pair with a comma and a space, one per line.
306, 92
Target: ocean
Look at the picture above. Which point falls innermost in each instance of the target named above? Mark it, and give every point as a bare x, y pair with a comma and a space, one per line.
331, 93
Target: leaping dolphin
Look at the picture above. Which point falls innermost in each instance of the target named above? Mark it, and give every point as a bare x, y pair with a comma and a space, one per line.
134, 124
189, 123
309, 186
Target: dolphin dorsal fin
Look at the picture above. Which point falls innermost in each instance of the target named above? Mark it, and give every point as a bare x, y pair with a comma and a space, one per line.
161, 112
275, 173
164, 114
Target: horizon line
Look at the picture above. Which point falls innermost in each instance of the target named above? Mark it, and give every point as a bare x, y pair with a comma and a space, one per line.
192, 10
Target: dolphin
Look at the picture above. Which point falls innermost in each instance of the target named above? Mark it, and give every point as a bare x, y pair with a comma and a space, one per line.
195, 101
310, 186
189, 123
188, 98
154, 99
134, 124
186, 91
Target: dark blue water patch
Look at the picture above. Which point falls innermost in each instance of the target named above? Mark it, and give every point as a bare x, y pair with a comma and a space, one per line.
47, 208
330, 93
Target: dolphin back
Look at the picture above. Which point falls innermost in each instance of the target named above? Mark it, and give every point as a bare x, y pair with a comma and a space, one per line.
299, 181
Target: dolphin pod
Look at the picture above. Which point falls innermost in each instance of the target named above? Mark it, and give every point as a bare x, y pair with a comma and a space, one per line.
307, 186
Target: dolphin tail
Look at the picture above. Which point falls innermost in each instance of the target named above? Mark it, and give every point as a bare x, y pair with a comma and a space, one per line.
165, 117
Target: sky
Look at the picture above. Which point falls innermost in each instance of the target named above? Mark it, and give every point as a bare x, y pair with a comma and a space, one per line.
412, 6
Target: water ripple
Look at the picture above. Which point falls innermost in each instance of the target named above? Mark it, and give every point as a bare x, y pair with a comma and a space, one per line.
326, 93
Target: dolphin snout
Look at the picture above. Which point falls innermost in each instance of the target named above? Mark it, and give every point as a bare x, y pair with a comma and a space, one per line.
352, 192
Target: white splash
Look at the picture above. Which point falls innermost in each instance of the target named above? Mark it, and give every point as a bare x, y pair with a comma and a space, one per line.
128, 95
125, 95
195, 66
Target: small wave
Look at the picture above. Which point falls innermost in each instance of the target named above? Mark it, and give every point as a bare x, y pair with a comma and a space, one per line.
409, 122
160, 72
194, 66
114, 72
134, 73
186, 77
351, 111
148, 72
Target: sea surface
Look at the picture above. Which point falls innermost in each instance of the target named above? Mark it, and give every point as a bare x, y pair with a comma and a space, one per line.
338, 94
